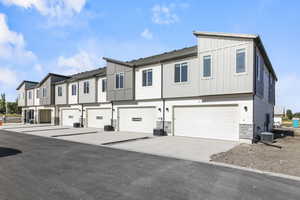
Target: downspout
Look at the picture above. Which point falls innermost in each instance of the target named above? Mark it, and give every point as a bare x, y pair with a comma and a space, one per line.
112, 114
162, 97
81, 115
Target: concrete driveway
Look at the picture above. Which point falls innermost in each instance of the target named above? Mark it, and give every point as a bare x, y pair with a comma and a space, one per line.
195, 149
107, 138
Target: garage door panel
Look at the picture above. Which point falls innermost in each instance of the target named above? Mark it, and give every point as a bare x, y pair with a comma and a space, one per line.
137, 119
98, 118
69, 117
216, 122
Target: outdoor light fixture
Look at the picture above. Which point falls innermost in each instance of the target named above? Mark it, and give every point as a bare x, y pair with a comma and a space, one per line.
159, 109
167, 109
246, 108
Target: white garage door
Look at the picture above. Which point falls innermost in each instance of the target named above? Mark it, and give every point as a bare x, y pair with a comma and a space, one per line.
215, 122
98, 118
70, 116
137, 119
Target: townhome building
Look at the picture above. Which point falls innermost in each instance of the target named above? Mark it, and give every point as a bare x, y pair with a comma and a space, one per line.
221, 88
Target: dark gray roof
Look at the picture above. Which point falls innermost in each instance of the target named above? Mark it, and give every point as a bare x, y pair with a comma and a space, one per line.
31, 82
83, 75
167, 56
48, 75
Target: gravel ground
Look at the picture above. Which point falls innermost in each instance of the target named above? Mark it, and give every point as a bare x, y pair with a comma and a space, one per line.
267, 158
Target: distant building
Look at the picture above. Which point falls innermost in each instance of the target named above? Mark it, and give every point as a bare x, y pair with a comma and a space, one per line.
279, 113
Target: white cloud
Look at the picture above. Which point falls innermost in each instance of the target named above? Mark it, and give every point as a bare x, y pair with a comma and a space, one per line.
164, 14
57, 10
82, 61
12, 44
287, 94
7, 77
38, 68
147, 34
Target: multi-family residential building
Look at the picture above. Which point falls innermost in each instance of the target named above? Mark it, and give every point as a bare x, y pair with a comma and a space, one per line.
221, 88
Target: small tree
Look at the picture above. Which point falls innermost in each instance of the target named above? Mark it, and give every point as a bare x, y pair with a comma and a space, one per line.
2, 104
289, 114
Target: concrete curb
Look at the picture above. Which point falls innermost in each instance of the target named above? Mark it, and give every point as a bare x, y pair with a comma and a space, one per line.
274, 174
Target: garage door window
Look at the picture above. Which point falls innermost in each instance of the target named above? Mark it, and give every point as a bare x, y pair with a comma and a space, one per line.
181, 72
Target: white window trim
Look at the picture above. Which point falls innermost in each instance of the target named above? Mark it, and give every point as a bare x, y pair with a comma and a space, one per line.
258, 68
188, 73
59, 88
211, 67
246, 61
105, 80
72, 90
88, 83
119, 88
148, 86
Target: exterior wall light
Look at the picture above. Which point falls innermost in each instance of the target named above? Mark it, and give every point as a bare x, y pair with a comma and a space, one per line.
245, 108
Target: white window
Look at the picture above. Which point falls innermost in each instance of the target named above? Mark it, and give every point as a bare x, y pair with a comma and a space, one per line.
240, 61
37, 93
44, 92
59, 91
104, 85
207, 66
86, 87
120, 80
181, 73
258, 67
147, 77
73, 90
29, 95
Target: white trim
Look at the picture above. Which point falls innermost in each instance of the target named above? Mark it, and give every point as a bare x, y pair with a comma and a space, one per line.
246, 61
202, 68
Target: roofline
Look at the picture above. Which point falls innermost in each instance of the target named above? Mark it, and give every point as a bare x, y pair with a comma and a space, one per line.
25, 81
51, 74
118, 62
220, 34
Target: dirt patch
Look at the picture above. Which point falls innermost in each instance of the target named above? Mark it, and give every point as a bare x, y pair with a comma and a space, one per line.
267, 158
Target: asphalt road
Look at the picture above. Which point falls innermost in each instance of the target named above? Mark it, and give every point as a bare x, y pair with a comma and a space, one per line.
33, 167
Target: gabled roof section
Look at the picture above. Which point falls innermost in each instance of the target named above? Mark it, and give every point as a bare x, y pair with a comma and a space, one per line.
23, 82
51, 74
255, 37
84, 75
167, 56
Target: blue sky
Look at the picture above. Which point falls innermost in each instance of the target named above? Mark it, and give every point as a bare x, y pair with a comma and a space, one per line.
69, 36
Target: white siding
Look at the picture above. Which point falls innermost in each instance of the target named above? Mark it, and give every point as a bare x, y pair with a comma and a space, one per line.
148, 92
36, 99
72, 99
88, 97
30, 102
101, 95
59, 100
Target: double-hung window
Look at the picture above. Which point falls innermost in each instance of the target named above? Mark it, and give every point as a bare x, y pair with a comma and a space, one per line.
240, 61
73, 90
86, 87
120, 80
104, 85
207, 66
29, 95
37, 93
147, 77
59, 91
44, 92
181, 73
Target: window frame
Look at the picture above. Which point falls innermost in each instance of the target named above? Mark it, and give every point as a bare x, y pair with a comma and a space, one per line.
59, 91
258, 60
73, 90
86, 87
44, 92
244, 49
147, 71
30, 95
211, 67
118, 80
104, 85
37, 93
180, 65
